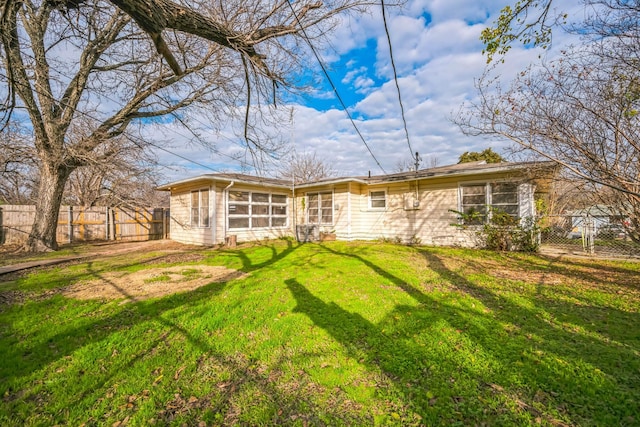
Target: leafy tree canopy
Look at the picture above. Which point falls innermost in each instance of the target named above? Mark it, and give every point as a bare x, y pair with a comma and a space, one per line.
487, 155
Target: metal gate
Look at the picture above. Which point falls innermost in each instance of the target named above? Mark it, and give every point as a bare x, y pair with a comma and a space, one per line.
588, 234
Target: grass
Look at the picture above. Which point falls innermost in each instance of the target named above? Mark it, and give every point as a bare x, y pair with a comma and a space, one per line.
332, 334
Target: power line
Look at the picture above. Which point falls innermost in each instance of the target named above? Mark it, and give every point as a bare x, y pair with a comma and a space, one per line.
395, 76
222, 154
333, 86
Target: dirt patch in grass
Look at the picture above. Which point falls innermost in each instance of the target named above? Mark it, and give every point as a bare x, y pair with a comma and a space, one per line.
178, 258
150, 283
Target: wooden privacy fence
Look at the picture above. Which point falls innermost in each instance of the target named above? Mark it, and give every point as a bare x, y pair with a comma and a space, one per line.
83, 224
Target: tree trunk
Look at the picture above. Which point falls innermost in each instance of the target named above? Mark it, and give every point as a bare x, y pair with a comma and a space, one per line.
43, 232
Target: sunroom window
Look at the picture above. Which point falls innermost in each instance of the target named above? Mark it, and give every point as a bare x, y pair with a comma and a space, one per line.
200, 208
256, 210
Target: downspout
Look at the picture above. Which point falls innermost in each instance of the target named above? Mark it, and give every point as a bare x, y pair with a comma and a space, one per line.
213, 221
225, 194
295, 210
349, 211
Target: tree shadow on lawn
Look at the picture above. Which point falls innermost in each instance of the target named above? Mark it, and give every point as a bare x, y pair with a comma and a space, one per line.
566, 350
554, 301
249, 265
625, 277
59, 274
92, 331
24, 357
508, 354
46, 349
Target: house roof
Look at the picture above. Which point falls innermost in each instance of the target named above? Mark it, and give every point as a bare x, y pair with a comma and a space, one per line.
462, 169
229, 177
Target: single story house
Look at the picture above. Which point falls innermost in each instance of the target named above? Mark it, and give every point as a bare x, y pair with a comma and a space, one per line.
410, 206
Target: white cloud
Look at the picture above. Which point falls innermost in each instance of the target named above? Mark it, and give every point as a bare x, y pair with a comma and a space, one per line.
437, 52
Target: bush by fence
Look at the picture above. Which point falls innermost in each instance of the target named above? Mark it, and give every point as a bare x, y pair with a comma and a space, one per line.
83, 224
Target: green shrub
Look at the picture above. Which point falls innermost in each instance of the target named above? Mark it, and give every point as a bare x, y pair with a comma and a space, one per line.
502, 232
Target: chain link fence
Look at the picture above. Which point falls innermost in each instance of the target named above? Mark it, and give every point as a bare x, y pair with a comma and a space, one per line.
588, 234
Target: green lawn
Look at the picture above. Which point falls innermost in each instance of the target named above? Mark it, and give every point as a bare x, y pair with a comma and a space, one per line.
329, 334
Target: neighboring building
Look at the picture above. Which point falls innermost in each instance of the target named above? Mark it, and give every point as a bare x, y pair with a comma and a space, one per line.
210, 208
597, 220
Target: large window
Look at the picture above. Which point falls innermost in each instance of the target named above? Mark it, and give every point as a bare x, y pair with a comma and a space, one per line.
320, 208
256, 210
200, 208
378, 199
504, 197
476, 199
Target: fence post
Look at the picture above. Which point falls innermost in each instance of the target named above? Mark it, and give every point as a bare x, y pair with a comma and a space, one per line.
1, 228
70, 222
115, 224
166, 222
589, 234
106, 223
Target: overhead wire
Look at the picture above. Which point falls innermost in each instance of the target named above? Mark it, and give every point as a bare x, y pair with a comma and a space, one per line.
333, 86
327, 76
395, 78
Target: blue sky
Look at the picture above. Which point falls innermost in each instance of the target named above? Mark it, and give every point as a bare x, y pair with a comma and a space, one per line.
437, 53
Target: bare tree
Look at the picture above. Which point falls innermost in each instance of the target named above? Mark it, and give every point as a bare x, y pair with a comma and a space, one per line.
128, 179
581, 110
18, 168
84, 71
305, 167
406, 165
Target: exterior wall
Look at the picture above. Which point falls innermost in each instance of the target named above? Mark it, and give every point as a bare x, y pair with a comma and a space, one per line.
219, 212
414, 211
419, 211
341, 201
183, 231
181, 228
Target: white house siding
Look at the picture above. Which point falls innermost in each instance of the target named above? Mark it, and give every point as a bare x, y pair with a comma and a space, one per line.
181, 229
527, 205
341, 212
220, 212
415, 211
184, 232
438, 218
429, 221
340, 192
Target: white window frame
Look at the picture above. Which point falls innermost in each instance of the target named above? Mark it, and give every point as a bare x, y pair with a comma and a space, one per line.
200, 209
252, 205
495, 205
489, 205
377, 197
319, 207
